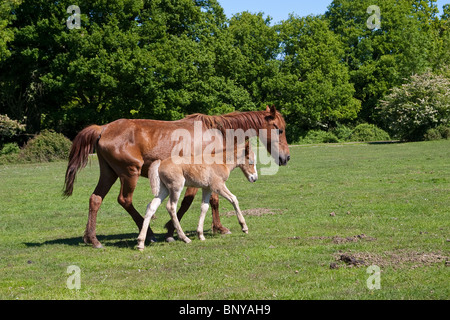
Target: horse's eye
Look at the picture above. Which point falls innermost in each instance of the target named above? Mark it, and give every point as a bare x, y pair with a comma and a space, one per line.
280, 131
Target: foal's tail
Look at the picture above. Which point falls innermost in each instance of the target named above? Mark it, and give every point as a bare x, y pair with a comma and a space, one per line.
82, 145
154, 177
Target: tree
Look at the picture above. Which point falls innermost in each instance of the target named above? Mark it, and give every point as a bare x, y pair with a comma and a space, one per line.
382, 58
313, 85
440, 54
6, 32
129, 58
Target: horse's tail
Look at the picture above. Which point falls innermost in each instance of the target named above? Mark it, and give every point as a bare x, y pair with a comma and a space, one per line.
82, 145
154, 177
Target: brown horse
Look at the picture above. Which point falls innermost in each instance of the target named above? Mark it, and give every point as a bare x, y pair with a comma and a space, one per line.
168, 178
127, 148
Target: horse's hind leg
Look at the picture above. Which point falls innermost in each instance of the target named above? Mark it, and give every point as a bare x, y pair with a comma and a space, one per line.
189, 196
216, 224
105, 182
172, 208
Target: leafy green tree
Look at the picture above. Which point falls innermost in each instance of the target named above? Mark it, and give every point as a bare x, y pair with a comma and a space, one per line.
6, 32
313, 85
258, 46
129, 58
382, 58
440, 54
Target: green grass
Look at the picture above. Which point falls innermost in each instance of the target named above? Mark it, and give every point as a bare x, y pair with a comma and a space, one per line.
396, 194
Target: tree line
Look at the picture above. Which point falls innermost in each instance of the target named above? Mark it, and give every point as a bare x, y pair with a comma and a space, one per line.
165, 59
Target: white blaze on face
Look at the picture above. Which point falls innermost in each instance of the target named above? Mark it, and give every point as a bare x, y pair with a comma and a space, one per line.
252, 161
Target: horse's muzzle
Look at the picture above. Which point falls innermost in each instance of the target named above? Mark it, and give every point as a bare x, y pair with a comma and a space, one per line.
253, 177
282, 161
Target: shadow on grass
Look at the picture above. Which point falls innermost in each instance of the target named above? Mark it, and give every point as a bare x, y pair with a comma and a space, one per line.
387, 142
125, 240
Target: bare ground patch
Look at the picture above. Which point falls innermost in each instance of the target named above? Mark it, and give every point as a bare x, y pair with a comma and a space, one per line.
396, 259
257, 212
339, 239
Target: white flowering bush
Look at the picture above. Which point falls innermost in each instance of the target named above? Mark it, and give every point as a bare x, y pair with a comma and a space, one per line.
9, 128
423, 103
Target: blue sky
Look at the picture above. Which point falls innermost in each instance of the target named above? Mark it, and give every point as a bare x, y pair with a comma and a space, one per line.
280, 9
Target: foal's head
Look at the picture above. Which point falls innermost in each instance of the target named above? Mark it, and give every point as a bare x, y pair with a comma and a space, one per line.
246, 160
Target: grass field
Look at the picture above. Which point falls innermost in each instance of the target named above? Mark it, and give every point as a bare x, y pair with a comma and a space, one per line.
390, 205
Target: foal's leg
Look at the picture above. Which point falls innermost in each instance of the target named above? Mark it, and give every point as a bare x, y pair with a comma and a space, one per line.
125, 199
189, 196
224, 192
105, 182
151, 209
216, 224
172, 208
206, 195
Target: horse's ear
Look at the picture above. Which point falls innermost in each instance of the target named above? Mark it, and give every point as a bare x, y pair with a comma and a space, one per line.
272, 110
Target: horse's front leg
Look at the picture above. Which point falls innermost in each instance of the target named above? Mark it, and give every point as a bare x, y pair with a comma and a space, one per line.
217, 226
204, 208
224, 192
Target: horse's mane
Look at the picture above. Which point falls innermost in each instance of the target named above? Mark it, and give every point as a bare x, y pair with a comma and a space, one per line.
235, 120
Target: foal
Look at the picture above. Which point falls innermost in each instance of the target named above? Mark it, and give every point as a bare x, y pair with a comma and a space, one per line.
168, 179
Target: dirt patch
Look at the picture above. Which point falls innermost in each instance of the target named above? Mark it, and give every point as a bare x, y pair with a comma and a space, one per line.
257, 212
340, 240
396, 259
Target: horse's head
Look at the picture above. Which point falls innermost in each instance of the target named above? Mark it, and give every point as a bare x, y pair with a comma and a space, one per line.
246, 160
273, 136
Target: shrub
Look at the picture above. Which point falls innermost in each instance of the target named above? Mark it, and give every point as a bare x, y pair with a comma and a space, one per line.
440, 132
368, 132
46, 146
409, 111
9, 148
9, 153
343, 133
432, 134
318, 136
444, 131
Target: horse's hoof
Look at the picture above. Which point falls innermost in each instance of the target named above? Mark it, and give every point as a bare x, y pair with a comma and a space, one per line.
94, 242
153, 239
170, 239
222, 230
187, 240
